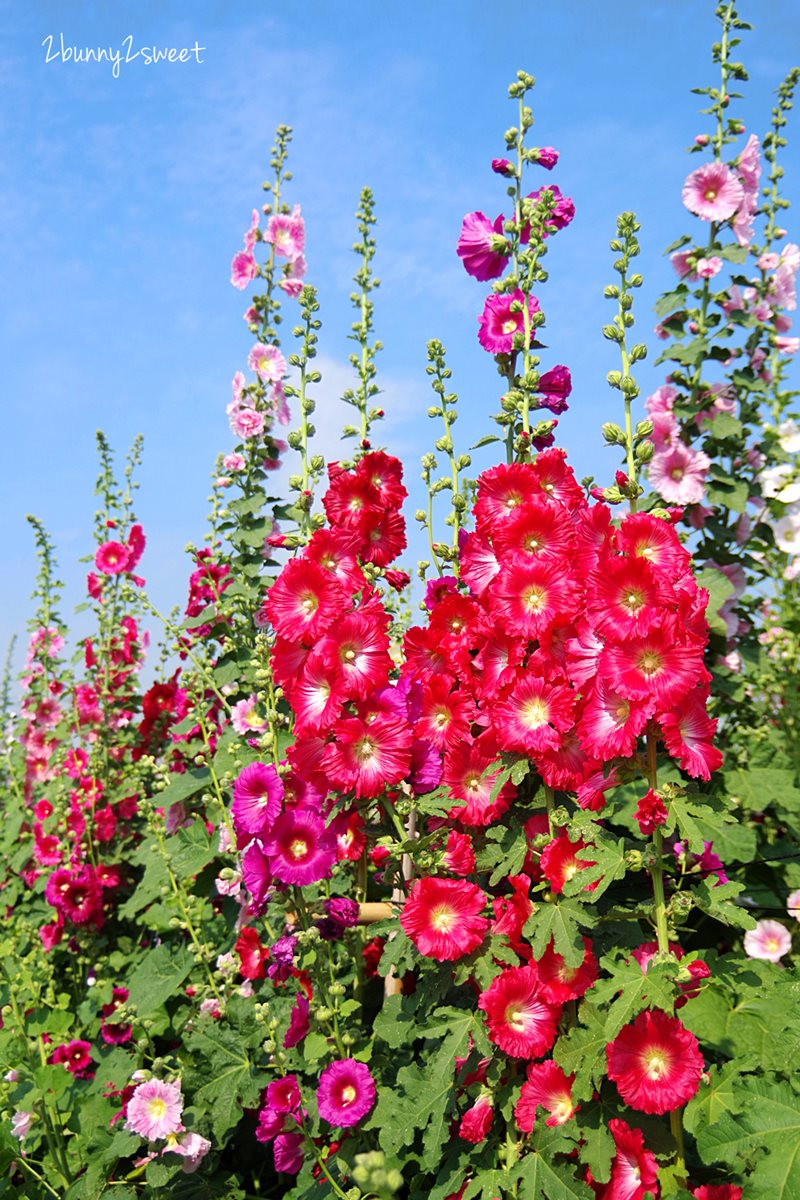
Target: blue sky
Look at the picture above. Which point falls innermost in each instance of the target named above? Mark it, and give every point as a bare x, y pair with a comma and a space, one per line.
124, 199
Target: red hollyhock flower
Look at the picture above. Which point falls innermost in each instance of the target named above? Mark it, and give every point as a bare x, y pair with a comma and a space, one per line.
459, 856
557, 480
519, 1018
349, 496
626, 597
634, 1171
76, 1056
115, 1033
383, 535
317, 695
657, 666
562, 859
533, 713
384, 472
251, 954
561, 982
650, 813
611, 722
655, 1063
536, 529
304, 601
477, 1120
501, 491
534, 596
367, 756
478, 562
447, 713
717, 1191
422, 656
442, 917
547, 1087
465, 774
359, 651
688, 732
77, 895
655, 541
511, 912
336, 551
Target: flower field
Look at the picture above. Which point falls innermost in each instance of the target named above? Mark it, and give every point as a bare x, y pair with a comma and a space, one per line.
468, 879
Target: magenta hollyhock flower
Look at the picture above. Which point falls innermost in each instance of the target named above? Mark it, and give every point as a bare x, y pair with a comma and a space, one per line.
288, 1151
300, 848
286, 232
483, 247
502, 166
299, 1023
243, 269
554, 387
257, 796
256, 874
501, 318
562, 214
768, 941
154, 1110
267, 362
712, 192
346, 1092
546, 156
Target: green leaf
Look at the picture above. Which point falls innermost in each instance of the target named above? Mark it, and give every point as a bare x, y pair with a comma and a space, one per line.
768, 1120
190, 849
541, 1179
671, 302
158, 977
582, 1052
395, 1024
559, 921
684, 812
713, 1099
629, 990
183, 786
149, 887
723, 425
727, 492
717, 900
762, 787
486, 440
231, 1083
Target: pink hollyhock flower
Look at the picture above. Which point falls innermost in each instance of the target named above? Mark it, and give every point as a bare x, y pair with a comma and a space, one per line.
244, 268
712, 192
442, 917
787, 345
534, 596
245, 719
483, 247
748, 164
634, 1171
267, 362
286, 232
679, 474
234, 462
459, 855
76, 894
655, 1063
688, 735
346, 1092
707, 268
304, 601
562, 214
115, 1032
546, 1087
300, 848
246, 423
299, 1023
477, 1120
191, 1147
768, 941
502, 166
465, 774
650, 813
112, 558
291, 282
154, 1110
256, 874
283, 1095
21, 1124
257, 796
520, 1020
502, 317
251, 234
793, 904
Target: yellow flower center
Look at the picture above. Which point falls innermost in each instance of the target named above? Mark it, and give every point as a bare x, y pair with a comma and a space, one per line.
156, 1107
298, 848
534, 598
443, 919
348, 1094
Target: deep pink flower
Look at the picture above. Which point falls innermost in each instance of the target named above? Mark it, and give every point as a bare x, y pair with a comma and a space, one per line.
346, 1092
477, 1120
519, 1018
443, 917
299, 1023
112, 558
257, 796
655, 1063
502, 317
244, 268
482, 246
650, 813
634, 1171
300, 848
546, 1087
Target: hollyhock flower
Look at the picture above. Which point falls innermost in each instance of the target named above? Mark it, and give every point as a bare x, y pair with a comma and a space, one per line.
712, 192
257, 796
115, 1032
244, 268
467, 775
768, 941
459, 855
442, 917
707, 268
626, 598
533, 596
191, 1147
545, 156
281, 958
300, 848
477, 1120
482, 246
655, 1063
359, 651
530, 718
154, 1110
21, 1123
299, 1023
547, 1087
786, 531
561, 860
611, 722
346, 1092
519, 1018
555, 387
267, 362
288, 1152
793, 904
247, 423
286, 232
112, 558
447, 714
679, 474
654, 667
366, 756
717, 1191
560, 982
77, 895
256, 874
251, 954
561, 215
503, 166
245, 719
291, 282
512, 911
650, 813
502, 317
634, 1170
789, 436
536, 529
501, 490
304, 601
688, 734
76, 1056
